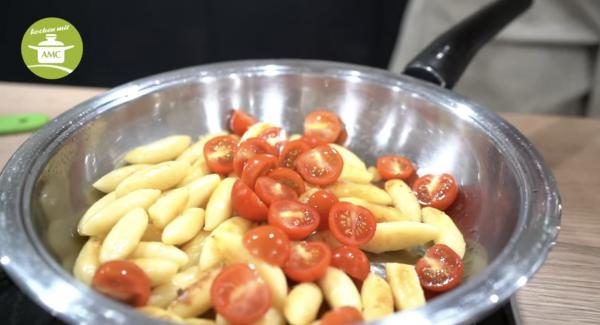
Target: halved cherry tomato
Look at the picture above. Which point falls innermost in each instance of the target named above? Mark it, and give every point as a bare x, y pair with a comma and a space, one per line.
322, 201
257, 166
288, 177
240, 122
312, 141
219, 152
390, 167
308, 261
249, 149
246, 203
123, 281
268, 243
273, 135
323, 125
441, 269
270, 190
351, 260
351, 224
437, 191
321, 165
342, 316
298, 220
240, 295
341, 140
290, 152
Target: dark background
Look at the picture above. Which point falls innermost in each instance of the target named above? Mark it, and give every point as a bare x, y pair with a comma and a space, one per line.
125, 40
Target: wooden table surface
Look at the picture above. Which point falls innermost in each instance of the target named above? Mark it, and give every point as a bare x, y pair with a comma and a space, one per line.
565, 290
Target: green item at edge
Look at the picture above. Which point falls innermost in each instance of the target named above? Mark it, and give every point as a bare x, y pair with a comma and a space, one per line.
10, 124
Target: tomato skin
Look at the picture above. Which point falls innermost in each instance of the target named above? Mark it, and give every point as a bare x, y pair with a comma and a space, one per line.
341, 316
296, 219
240, 295
270, 190
239, 122
219, 152
288, 177
312, 141
395, 167
341, 140
123, 281
269, 243
322, 125
321, 165
441, 269
437, 191
308, 261
351, 224
249, 149
351, 260
257, 166
290, 151
322, 201
246, 203
273, 136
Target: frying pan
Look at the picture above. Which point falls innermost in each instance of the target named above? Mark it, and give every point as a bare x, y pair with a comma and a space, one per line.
508, 209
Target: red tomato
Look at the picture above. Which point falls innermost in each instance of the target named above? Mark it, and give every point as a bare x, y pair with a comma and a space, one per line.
249, 149
312, 141
240, 122
437, 191
273, 135
240, 295
441, 269
257, 166
322, 201
323, 125
288, 177
268, 243
246, 203
298, 220
321, 165
351, 224
308, 261
390, 167
351, 260
341, 316
270, 190
219, 152
290, 152
123, 281
343, 137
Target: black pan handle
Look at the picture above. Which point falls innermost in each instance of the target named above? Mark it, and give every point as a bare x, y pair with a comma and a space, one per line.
447, 57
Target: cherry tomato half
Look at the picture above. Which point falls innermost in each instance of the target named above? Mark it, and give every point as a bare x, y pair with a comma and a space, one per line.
321, 165
240, 295
288, 177
322, 201
351, 224
322, 125
437, 191
246, 203
249, 149
257, 166
219, 152
390, 167
273, 135
270, 190
240, 122
268, 243
298, 220
342, 316
351, 260
308, 261
290, 152
123, 281
312, 141
341, 140
441, 269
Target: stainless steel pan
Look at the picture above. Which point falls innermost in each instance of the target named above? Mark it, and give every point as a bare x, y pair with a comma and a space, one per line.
508, 209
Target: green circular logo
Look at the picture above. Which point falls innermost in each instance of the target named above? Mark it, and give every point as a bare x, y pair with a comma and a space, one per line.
51, 48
